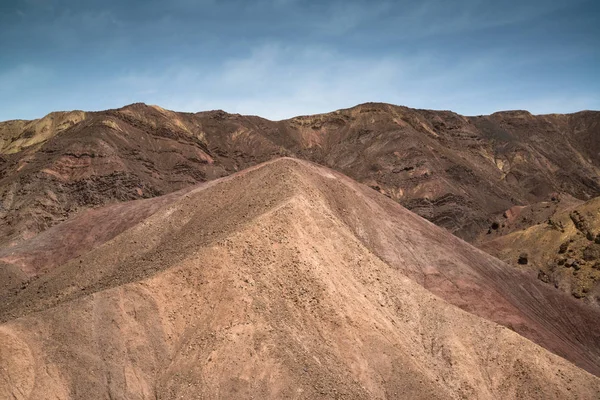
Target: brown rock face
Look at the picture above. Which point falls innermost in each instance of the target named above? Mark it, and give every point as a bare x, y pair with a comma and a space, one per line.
563, 248
459, 172
287, 280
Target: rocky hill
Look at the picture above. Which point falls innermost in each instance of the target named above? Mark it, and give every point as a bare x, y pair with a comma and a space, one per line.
563, 250
459, 172
286, 280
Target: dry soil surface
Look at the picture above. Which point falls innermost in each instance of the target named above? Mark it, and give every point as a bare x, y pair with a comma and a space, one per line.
289, 280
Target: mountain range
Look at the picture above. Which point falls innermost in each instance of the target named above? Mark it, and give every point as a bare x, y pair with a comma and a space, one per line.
372, 252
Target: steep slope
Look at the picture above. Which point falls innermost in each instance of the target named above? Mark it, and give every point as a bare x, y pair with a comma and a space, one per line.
289, 280
459, 172
75, 237
522, 217
18, 135
564, 251
103, 159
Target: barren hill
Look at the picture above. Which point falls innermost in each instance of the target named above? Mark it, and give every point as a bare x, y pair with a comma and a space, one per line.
563, 250
459, 172
289, 280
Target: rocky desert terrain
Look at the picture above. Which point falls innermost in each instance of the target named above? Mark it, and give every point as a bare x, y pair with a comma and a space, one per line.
563, 251
459, 172
146, 253
291, 280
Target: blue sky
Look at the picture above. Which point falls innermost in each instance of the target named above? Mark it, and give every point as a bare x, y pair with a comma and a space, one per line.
280, 58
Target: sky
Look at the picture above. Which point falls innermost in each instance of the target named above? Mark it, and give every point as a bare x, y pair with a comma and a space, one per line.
282, 58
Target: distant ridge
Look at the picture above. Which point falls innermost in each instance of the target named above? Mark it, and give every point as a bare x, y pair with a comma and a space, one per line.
459, 172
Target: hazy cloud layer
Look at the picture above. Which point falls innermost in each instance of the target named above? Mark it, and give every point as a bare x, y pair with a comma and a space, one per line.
279, 58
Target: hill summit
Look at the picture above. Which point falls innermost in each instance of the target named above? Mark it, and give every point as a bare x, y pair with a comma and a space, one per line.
291, 280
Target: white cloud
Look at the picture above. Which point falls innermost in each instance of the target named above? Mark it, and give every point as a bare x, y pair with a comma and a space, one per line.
278, 82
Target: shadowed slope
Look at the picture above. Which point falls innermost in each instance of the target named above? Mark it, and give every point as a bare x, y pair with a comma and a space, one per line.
291, 280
